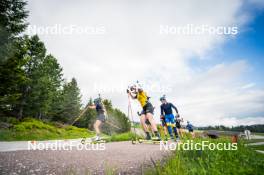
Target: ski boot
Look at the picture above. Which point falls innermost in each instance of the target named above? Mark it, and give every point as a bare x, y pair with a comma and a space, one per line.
148, 137
157, 137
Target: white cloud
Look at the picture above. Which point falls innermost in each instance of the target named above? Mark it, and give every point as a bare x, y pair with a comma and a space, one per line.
247, 86
132, 49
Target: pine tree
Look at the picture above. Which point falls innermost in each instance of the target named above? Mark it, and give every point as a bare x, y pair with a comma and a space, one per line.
42, 77
71, 102
12, 23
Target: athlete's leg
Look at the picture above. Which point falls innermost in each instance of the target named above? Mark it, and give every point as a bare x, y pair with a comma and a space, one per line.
172, 120
142, 122
181, 132
169, 125
144, 126
164, 127
96, 125
165, 130
149, 126
149, 116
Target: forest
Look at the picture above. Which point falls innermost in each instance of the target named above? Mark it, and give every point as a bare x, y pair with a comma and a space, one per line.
32, 83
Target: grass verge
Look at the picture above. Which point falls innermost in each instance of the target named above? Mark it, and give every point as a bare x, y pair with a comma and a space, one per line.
32, 129
241, 161
257, 147
254, 140
121, 137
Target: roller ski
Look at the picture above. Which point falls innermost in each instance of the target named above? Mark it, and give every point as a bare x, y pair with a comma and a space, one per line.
153, 140
93, 140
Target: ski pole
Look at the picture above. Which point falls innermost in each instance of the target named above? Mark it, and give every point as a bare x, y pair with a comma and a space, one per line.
130, 113
77, 118
113, 125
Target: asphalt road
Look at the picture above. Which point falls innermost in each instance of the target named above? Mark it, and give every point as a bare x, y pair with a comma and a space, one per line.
120, 157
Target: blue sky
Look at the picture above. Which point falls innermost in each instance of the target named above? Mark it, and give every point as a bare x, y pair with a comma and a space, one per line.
248, 45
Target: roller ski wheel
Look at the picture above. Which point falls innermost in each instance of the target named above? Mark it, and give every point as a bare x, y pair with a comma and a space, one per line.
98, 141
133, 142
149, 141
92, 141
156, 139
83, 141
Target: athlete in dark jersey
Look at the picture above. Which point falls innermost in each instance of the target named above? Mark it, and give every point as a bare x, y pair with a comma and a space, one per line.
101, 116
167, 114
100, 112
166, 108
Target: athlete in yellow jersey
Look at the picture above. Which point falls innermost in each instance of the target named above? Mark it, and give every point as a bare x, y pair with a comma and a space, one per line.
147, 110
142, 98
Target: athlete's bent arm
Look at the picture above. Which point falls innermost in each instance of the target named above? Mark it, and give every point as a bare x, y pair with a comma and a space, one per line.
161, 111
92, 107
174, 107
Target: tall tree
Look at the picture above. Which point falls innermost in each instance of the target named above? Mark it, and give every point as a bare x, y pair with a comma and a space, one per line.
33, 51
43, 86
12, 23
42, 77
71, 102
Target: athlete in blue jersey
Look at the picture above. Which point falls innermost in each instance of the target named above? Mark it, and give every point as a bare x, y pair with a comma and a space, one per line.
167, 113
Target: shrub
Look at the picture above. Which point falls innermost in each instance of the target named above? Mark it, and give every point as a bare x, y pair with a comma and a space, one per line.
20, 128
12, 120
30, 124
67, 128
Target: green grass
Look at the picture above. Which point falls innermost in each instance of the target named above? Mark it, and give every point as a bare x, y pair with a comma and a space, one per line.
137, 125
254, 140
257, 147
121, 137
32, 129
258, 133
241, 161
